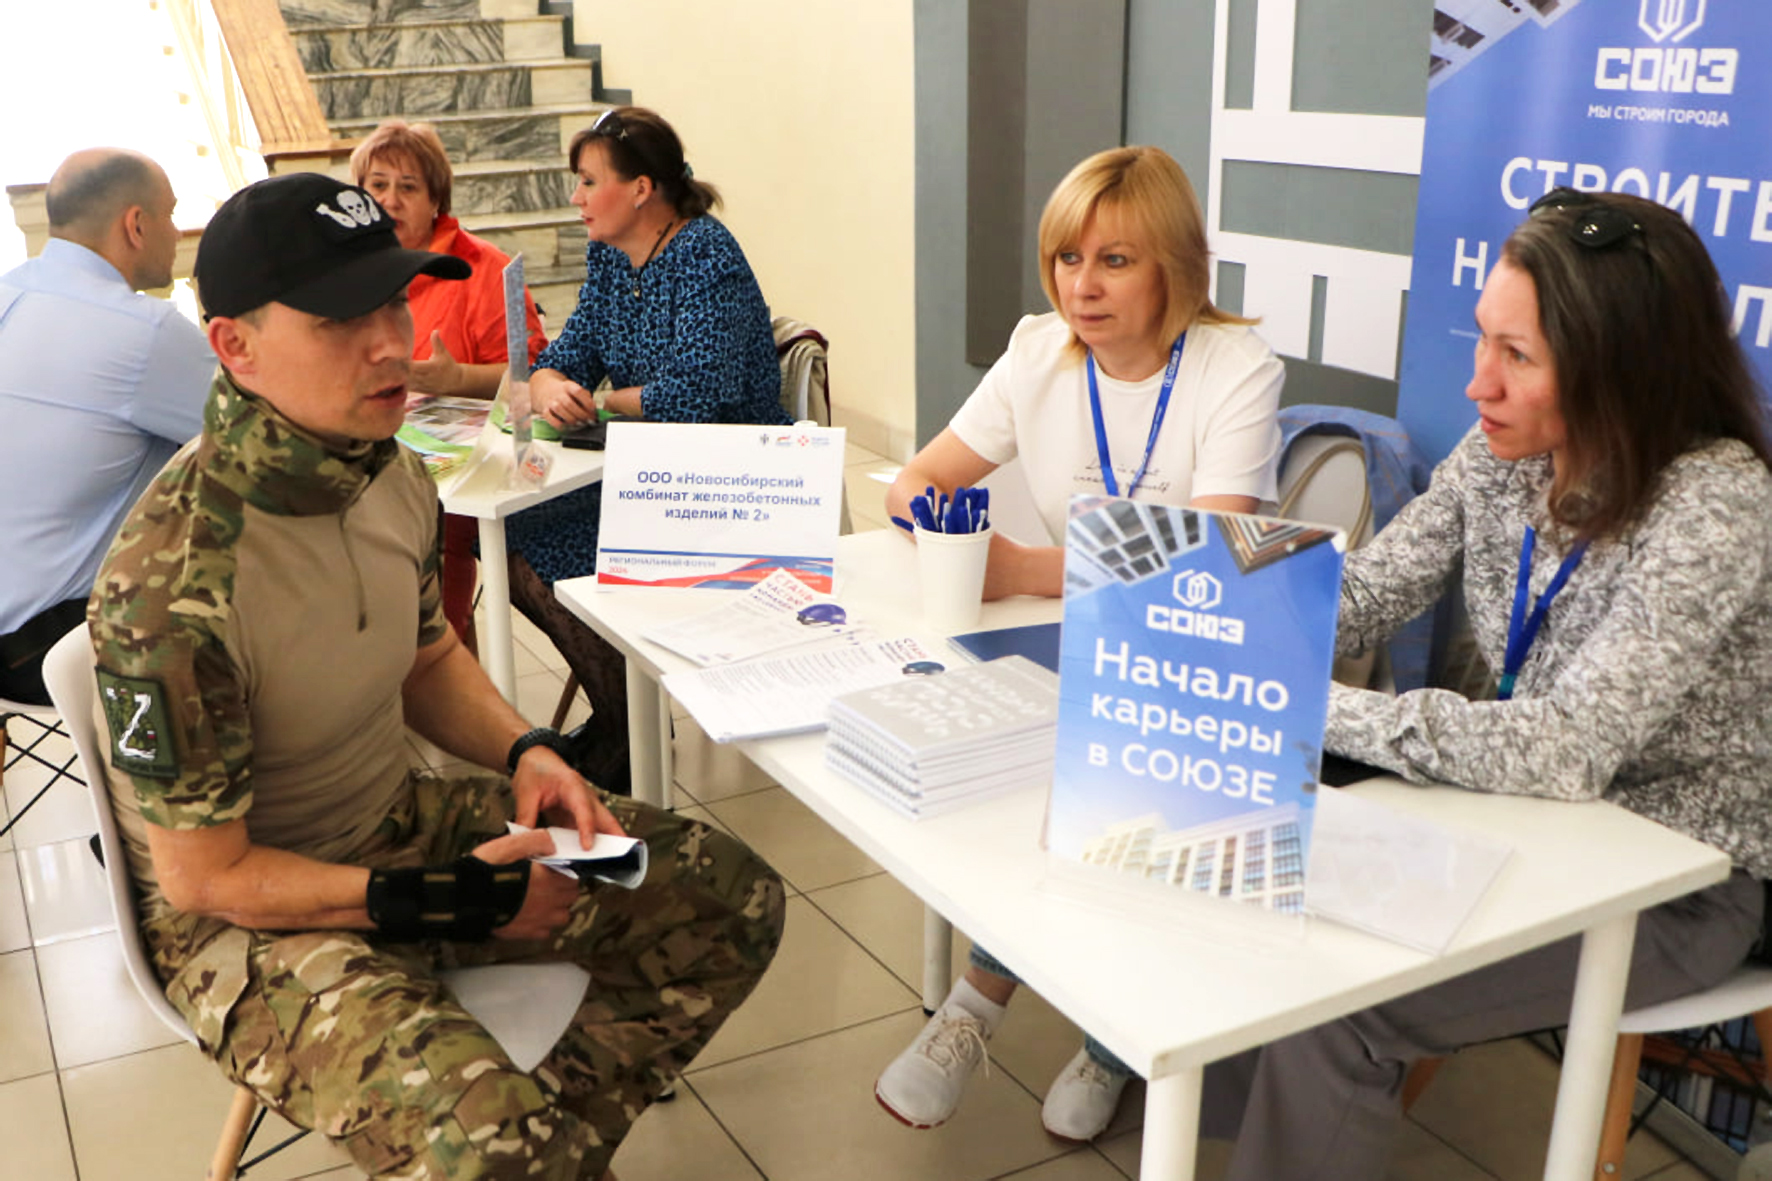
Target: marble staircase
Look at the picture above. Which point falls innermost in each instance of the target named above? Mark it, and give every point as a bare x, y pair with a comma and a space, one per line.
495, 78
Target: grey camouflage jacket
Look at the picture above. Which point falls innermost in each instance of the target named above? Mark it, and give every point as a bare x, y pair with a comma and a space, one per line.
1650, 682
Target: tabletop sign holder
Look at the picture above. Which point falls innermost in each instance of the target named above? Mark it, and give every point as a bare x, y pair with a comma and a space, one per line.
1194, 679
529, 467
719, 507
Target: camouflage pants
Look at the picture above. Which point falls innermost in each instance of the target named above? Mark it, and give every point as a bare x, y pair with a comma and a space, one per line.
353, 1037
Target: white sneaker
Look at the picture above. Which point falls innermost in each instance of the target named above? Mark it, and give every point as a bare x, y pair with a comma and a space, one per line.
1081, 1101
922, 1086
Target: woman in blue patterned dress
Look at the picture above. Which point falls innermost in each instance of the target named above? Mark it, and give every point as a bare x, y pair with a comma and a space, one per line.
671, 314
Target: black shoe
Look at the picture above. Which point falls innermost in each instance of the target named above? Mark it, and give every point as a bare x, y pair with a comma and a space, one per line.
615, 778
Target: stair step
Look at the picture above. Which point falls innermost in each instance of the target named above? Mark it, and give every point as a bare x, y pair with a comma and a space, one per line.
329, 48
302, 13
414, 92
492, 186
504, 133
547, 238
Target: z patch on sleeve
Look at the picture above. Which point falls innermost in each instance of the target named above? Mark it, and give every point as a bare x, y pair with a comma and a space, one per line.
141, 736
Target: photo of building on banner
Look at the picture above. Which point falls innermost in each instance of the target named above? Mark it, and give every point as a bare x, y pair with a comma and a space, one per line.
1665, 99
1193, 684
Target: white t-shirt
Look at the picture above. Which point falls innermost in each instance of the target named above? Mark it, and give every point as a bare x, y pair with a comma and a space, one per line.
1220, 436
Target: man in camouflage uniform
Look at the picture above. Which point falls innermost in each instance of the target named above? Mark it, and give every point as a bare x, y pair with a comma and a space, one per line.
266, 623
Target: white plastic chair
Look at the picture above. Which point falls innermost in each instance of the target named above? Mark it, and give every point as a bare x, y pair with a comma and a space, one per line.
526, 1007
48, 723
1747, 993
1323, 481
805, 375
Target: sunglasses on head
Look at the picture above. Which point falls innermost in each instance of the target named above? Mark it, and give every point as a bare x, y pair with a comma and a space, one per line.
609, 124
1598, 223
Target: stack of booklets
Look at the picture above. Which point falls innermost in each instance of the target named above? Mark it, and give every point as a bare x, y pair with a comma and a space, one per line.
927, 744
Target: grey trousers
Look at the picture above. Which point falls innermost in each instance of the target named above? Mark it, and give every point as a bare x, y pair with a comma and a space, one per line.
1324, 1105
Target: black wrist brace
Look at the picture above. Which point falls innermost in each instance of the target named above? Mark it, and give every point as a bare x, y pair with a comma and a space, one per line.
466, 899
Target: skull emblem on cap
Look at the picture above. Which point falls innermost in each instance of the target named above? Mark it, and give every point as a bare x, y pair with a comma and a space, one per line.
357, 210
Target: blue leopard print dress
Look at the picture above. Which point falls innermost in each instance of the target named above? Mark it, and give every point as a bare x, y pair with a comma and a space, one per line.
696, 339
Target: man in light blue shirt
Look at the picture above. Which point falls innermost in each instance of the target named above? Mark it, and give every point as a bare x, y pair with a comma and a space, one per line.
99, 386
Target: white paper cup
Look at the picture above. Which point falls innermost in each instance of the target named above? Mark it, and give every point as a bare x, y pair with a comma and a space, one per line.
951, 567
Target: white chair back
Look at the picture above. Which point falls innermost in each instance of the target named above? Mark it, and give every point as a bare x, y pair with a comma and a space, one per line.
67, 671
1323, 481
524, 1006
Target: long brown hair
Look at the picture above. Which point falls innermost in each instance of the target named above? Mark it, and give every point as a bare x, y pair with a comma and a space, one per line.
1647, 366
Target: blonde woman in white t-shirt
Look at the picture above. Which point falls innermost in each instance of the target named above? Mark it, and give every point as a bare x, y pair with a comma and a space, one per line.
1135, 386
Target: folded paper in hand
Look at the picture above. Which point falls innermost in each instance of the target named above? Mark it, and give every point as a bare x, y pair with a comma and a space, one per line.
620, 861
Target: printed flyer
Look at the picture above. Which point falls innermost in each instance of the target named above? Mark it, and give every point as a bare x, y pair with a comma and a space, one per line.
719, 507
1193, 684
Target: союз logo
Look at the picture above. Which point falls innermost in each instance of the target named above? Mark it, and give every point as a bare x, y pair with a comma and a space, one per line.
1670, 20
1198, 591
1671, 68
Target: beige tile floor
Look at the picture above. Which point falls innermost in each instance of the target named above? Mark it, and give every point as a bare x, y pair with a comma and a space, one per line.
92, 1088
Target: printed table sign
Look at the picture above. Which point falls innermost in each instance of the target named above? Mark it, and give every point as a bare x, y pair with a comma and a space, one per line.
1193, 684
721, 507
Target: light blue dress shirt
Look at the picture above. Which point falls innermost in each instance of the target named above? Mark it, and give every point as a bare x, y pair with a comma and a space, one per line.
99, 385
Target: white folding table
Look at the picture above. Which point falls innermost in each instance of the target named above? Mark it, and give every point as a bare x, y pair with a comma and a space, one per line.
482, 491
1201, 982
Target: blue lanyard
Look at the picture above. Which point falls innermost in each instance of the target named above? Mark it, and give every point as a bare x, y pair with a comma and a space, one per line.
1150, 445
1521, 629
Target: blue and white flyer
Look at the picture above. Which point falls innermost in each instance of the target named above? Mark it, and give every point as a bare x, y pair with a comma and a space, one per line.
719, 507
1193, 684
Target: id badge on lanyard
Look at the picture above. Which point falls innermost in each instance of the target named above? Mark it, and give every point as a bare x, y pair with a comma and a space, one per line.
1522, 629
1150, 445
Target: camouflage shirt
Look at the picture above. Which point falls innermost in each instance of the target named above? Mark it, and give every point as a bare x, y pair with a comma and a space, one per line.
1647, 684
253, 622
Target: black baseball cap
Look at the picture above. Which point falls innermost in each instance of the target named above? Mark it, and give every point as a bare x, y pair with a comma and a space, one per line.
320, 245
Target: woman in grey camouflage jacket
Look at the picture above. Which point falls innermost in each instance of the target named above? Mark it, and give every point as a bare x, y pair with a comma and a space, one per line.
1619, 471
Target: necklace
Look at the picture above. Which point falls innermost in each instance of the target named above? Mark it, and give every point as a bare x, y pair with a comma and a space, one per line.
656, 243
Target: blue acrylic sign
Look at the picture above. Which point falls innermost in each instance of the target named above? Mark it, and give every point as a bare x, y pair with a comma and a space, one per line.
1194, 680
1666, 99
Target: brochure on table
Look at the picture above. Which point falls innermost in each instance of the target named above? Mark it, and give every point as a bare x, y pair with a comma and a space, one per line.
791, 694
1402, 877
719, 507
443, 431
778, 614
1194, 680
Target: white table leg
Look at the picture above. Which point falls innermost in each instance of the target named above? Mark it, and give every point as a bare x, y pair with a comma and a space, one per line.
667, 771
495, 641
1587, 1057
1171, 1126
644, 724
938, 950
